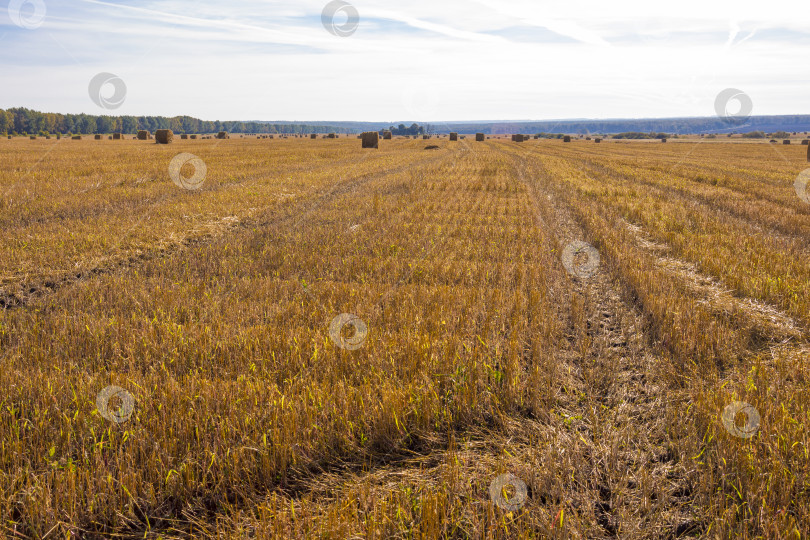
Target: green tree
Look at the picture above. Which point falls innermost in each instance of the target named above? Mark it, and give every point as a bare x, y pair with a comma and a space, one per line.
87, 124
6, 121
103, 125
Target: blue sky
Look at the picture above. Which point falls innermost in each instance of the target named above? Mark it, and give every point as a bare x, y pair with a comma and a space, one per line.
406, 61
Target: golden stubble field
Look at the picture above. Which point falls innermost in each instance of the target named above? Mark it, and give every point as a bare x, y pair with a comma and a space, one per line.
487, 340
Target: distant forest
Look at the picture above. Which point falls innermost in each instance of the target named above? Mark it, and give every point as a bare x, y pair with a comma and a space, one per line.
18, 121
682, 126
22, 121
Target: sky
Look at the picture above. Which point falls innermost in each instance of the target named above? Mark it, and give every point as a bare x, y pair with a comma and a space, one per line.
392, 61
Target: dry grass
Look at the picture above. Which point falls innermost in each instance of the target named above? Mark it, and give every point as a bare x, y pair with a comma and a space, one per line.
483, 356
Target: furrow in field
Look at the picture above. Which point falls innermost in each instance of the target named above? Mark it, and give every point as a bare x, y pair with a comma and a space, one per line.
770, 320
631, 479
721, 354
755, 263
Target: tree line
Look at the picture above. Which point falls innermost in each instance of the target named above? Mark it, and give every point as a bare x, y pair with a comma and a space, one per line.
22, 121
414, 129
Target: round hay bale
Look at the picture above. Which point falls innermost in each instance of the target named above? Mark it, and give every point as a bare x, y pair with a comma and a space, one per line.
183, 136
98, 137
117, 136
479, 137
453, 136
77, 137
371, 139
223, 135
164, 136
567, 138
387, 135
33, 137
786, 141
143, 135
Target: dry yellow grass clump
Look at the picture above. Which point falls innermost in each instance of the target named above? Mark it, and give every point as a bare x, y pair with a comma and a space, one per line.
234, 339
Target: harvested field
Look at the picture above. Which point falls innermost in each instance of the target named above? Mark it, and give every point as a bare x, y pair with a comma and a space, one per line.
322, 341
